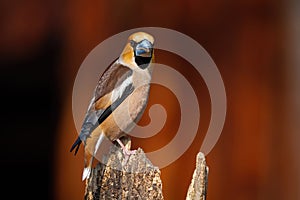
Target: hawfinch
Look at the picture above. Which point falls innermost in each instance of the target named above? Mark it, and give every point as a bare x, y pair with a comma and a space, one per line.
121, 95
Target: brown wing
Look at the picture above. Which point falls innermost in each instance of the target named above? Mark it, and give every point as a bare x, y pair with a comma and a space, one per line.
110, 79
101, 106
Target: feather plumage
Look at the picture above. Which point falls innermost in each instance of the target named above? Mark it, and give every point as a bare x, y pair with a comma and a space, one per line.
125, 82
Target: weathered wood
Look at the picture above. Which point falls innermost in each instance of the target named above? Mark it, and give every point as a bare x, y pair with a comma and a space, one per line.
137, 178
198, 187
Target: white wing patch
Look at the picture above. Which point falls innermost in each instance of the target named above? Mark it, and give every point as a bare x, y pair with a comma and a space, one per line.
118, 92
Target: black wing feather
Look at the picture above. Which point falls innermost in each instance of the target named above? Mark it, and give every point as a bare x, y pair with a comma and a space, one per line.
76, 145
106, 113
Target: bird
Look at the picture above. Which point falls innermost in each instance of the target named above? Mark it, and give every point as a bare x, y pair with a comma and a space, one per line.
125, 82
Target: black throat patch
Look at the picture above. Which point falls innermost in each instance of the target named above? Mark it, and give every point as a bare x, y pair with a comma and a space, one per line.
142, 62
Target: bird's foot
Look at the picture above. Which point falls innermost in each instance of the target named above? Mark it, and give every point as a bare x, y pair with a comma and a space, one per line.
127, 152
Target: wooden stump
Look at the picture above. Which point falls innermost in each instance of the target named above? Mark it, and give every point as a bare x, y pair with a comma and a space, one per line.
137, 178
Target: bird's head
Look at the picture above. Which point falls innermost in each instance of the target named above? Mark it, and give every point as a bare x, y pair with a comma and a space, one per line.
138, 50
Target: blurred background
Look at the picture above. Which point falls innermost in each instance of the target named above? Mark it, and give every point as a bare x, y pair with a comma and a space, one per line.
255, 44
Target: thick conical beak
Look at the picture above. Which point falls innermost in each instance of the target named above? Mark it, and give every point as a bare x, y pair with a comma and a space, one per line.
144, 49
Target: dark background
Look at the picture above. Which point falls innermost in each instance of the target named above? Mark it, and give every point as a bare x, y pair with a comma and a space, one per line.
254, 44
30, 53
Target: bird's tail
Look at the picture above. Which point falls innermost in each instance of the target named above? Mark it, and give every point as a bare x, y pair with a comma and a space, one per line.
90, 158
88, 166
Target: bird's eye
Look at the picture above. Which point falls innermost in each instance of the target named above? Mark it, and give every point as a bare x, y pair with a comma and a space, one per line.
132, 43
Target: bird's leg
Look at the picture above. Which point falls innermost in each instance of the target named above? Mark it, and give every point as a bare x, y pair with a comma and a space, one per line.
126, 152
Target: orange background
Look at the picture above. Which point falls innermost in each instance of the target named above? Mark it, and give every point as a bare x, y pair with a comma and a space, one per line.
253, 43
